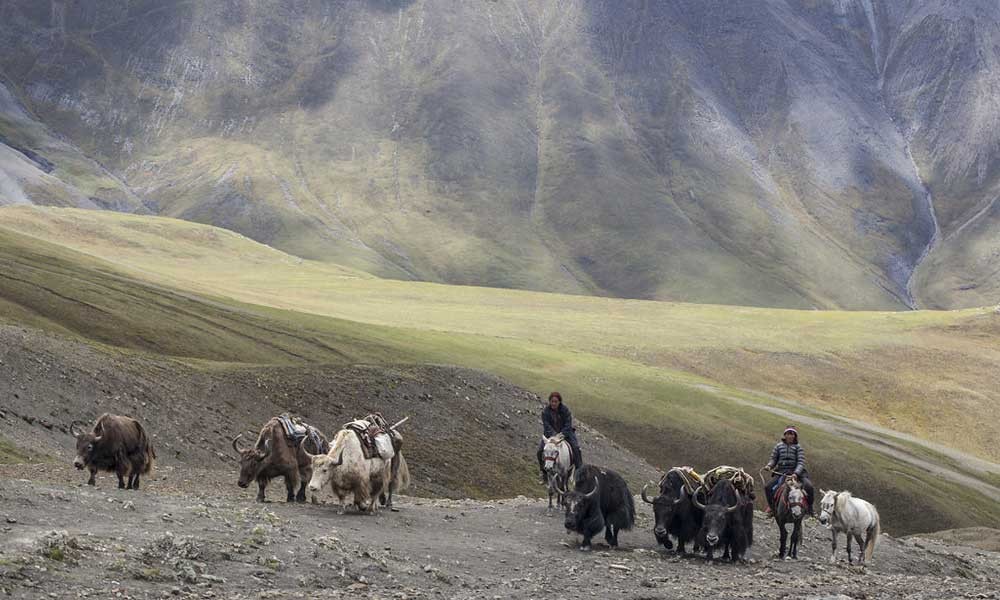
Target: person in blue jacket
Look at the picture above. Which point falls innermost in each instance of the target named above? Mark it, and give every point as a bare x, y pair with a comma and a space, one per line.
556, 418
788, 458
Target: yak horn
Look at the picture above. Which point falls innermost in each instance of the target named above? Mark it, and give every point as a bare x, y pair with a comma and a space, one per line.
593, 491
236, 443
643, 494
405, 419
735, 506
694, 498
681, 497
340, 460
302, 446
74, 429
267, 449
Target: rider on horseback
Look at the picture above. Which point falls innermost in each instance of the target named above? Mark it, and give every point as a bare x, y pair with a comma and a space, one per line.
788, 458
556, 419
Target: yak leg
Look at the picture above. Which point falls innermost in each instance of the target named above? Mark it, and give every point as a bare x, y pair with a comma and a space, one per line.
585, 546
133, 481
833, 545
305, 476
784, 538
680, 545
120, 472
291, 485
93, 477
261, 484
609, 535
386, 497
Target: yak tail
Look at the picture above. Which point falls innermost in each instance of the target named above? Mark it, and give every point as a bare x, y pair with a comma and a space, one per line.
402, 475
630, 508
149, 454
873, 534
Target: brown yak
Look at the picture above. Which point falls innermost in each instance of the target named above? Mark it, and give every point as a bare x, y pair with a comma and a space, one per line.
275, 455
116, 444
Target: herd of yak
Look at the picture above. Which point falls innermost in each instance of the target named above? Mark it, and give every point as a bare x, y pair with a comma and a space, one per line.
714, 512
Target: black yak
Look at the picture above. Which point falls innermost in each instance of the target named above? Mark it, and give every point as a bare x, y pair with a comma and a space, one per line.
600, 500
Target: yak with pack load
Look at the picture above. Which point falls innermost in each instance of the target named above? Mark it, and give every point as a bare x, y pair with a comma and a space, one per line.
362, 464
281, 450
674, 512
728, 520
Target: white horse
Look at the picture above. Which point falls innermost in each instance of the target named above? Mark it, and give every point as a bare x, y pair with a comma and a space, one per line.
843, 512
558, 465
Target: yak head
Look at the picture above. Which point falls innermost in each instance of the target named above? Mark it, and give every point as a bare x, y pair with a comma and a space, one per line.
251, 460
665, 505
578, 505
322, 469
717, 511
86, 443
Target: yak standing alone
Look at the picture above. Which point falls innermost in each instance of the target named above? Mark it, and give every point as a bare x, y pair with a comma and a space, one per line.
608, 505
116, 444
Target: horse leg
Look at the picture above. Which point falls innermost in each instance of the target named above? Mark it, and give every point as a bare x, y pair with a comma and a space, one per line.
850, 558
784, 537
833, 553
861, 549
796, 536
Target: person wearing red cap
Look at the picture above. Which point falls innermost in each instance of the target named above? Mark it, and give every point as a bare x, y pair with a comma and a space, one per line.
788, 458
556, 418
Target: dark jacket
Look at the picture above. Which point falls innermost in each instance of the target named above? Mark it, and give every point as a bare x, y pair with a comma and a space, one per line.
788, 458
559, 422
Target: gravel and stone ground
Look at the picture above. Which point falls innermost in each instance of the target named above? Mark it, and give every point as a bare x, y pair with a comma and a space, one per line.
193, 534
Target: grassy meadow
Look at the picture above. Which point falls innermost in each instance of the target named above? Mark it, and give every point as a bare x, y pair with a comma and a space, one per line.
667, 380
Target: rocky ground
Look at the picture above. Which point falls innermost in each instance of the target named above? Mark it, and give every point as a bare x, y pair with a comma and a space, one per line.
193, 534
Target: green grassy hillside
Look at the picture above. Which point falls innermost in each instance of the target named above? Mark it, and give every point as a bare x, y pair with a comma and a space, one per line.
619, 363
927, 373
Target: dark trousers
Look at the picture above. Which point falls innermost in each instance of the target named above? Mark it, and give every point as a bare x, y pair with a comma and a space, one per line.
577, 456
807, 485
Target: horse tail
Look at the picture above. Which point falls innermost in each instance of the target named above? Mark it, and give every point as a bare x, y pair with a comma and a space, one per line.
873, 534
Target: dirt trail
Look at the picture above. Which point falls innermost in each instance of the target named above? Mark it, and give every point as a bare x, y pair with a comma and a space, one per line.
183, 537
887, 442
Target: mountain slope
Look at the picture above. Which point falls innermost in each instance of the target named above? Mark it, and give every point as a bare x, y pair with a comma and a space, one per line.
661, 379
765, 153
